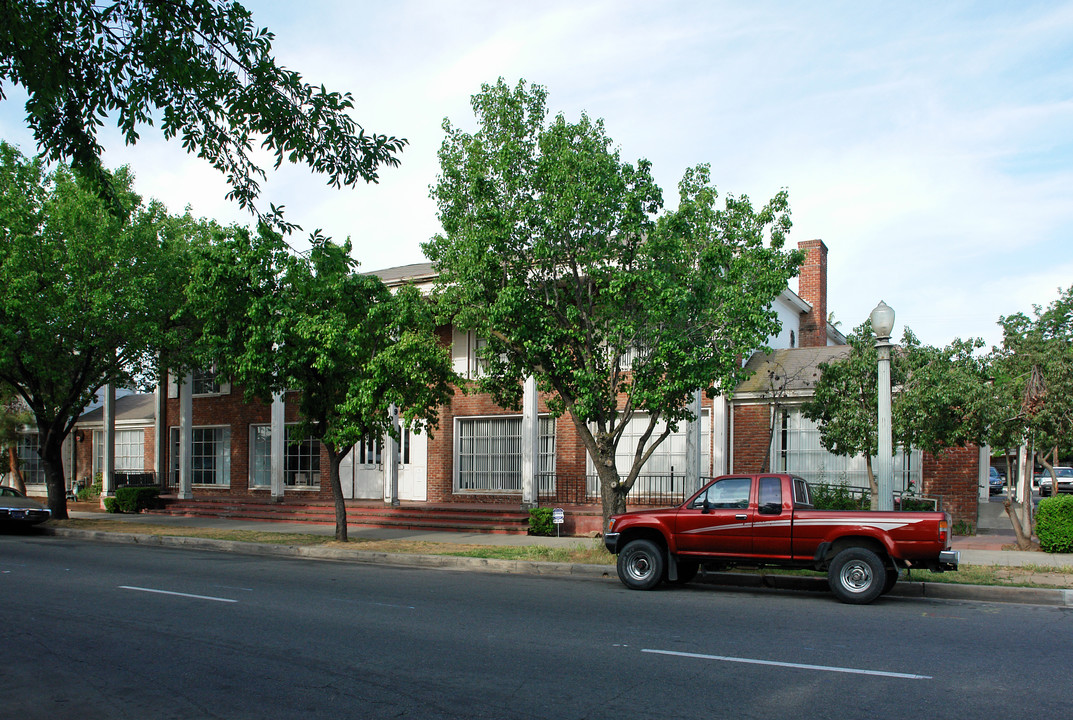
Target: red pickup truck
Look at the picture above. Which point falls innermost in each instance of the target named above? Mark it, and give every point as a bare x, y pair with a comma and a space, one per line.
768, 520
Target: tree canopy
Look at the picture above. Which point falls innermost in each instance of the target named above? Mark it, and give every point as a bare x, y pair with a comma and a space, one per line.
346, 345
1033, 373
561, 257
88, 294
198, 69
940, 398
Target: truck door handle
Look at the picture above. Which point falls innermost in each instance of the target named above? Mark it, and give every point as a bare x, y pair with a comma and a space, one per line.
741, 517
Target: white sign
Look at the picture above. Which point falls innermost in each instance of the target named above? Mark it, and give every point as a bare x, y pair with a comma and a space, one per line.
557, 516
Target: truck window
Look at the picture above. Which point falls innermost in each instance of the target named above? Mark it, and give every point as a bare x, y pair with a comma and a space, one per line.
726, 493
770, 496
802, 494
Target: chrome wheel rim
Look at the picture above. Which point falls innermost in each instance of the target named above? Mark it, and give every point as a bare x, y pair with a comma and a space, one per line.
639, 567
856, 577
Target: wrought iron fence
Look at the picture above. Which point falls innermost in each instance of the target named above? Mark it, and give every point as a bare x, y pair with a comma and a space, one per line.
651, 490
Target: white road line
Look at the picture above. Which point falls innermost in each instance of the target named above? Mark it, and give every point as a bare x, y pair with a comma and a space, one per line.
169, 592
800, 666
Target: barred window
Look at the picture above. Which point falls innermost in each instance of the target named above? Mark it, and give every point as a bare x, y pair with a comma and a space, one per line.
798, 450
671, 453
489, 452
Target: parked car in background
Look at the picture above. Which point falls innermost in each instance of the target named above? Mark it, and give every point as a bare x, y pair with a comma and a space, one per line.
1065, 481
16, 508
996, 484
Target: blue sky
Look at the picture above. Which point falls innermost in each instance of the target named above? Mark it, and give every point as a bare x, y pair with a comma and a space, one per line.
928, 144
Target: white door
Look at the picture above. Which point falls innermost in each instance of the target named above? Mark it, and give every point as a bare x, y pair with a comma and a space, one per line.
368, 471
346, 474
413, 466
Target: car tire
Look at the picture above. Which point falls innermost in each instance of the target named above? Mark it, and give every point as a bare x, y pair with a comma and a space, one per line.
640, 565
891, 580
857, 576
687, 570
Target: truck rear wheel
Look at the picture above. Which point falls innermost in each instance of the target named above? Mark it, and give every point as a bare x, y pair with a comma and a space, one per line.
640, 565
857, 576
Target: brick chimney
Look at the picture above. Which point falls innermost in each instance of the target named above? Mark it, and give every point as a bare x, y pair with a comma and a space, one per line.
812, 287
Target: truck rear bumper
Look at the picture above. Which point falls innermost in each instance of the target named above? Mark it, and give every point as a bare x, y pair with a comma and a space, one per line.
948, 559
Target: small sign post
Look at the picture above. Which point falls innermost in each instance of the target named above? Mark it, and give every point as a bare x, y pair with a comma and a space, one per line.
557, 517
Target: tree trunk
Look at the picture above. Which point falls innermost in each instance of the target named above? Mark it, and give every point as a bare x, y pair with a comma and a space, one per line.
612, 492
17, 480
873, 501
334, 459
52, 458
1022, 525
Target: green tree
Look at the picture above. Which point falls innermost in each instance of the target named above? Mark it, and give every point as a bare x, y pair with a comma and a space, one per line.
558, 255
940, 398
13, 416
87, 295
198, 69
348, 347
1034, 390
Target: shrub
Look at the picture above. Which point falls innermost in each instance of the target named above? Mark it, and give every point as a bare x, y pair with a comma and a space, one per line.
839, 497
136, 499
92, 492
961, 527
540, 521
1054, 524
110, 505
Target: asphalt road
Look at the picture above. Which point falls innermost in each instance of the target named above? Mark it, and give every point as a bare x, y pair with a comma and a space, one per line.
110, 631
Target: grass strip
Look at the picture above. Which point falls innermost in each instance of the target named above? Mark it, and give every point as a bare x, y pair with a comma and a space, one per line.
587, 552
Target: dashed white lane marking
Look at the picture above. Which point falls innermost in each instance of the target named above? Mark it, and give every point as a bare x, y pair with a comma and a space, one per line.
800, 666
169, 592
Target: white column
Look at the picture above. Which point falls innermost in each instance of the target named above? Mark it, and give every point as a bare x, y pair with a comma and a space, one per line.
693, 445
884, 460
720, 433
530, 444
1024, 472
391, 461
108, 451
186, 436
277, 447
160, 429
984, 475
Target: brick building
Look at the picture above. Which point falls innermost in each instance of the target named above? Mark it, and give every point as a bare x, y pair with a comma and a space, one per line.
483, 453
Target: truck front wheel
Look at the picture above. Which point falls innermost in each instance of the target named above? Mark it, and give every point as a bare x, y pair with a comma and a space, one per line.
640, 565
857, 575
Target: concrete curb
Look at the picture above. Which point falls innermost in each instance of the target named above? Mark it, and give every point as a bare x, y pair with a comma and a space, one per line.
905, 589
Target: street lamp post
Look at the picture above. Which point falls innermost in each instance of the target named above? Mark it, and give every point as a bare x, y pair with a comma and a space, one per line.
882, 325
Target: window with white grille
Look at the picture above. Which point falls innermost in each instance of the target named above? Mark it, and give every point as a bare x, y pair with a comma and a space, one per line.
301, 461
671, 453
129, 451
798, 450
32, 466
489, 453
210, 456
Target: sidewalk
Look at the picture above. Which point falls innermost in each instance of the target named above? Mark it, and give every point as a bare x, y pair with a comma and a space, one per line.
981, 549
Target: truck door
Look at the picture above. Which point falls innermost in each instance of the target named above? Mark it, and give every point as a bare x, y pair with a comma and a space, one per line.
718, 521
772, 522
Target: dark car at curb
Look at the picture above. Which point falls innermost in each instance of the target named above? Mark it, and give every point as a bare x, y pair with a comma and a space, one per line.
18, 510
996, 484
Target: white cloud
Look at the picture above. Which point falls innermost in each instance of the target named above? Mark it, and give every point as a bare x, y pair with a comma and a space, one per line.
928, 145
